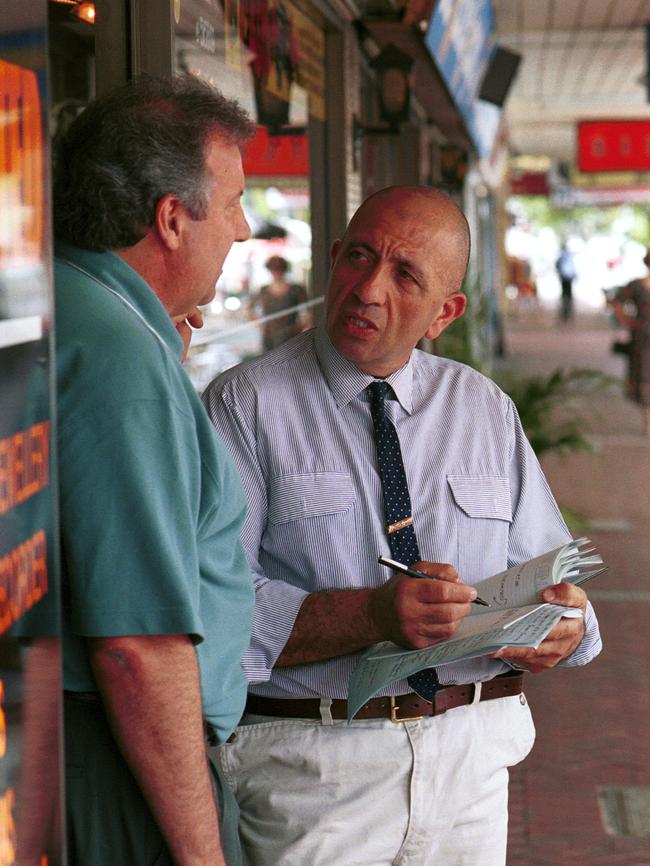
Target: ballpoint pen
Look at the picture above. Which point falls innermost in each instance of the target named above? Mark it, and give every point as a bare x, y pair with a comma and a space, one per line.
412, 572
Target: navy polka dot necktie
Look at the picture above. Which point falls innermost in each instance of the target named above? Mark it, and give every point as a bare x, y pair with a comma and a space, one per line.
397, 507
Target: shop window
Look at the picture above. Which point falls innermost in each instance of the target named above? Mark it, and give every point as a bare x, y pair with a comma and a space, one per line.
269, 55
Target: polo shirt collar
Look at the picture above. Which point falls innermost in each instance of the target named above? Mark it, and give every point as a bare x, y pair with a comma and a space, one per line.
346, 381
109, 270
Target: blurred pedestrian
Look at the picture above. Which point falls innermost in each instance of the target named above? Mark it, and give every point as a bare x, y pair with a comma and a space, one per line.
279, 295
631, 306
566, 269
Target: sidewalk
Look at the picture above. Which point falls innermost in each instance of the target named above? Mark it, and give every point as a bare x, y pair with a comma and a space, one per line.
582, 798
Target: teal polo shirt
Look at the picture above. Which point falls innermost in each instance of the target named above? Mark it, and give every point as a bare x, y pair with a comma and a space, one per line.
151, 505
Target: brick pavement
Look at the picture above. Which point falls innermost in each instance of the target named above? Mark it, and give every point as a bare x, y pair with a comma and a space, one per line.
594, 723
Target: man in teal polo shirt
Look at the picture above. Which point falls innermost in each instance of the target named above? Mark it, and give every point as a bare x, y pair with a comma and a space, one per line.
157, 596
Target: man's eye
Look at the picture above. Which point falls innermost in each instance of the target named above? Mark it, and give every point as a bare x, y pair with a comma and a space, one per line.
406, 275
357, 255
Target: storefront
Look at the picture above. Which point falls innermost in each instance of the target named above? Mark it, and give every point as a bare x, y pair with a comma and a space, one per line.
309, 75
271, 57
460, 40
307, 71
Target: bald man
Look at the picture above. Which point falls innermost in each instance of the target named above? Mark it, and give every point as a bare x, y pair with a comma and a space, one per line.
409, 781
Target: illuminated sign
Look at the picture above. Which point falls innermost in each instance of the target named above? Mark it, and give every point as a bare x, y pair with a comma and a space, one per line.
7, 828
614, 145
21, 165
24, 468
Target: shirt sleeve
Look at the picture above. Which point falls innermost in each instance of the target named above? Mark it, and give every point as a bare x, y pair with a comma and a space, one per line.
232, 409
129, 510
538, 526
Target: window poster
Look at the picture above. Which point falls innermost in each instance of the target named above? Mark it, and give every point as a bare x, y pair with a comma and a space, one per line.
30, 813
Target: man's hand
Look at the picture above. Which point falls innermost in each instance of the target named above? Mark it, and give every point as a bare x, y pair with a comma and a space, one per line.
561, 641
410, 611
417, 613
184, 326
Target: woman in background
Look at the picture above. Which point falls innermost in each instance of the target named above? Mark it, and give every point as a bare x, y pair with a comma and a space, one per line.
631, 306
280, 295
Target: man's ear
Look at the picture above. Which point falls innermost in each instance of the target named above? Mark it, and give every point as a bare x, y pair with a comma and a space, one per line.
168, 221
336, 246
453, 308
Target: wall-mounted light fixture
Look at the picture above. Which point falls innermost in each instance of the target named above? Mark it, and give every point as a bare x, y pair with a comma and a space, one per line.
393, 68
84, 12
80, 9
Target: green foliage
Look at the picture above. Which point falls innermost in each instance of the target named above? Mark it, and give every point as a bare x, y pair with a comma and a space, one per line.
456, 342
578, 524
466, 339
640, 230
583, 221
552, 408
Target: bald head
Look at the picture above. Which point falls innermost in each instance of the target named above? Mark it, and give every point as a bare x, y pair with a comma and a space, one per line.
431, 208
396, 276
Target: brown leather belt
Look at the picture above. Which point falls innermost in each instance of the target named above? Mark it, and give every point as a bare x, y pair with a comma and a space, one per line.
403, 708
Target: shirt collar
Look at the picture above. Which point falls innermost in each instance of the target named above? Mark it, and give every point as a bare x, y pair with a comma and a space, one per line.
114, 274
346, 381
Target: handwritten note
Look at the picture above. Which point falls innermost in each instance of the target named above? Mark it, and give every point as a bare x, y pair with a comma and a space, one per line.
523, 584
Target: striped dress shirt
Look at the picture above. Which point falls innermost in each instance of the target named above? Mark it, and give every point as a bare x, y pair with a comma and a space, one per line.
297, 422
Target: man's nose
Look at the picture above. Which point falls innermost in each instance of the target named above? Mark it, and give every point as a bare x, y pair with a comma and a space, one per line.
371, 289
243, 229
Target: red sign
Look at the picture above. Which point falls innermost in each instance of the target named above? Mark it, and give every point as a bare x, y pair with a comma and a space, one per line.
614, 145
529, 183
276, 155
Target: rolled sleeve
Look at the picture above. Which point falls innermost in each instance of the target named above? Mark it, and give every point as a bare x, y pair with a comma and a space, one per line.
590, 645
276, 607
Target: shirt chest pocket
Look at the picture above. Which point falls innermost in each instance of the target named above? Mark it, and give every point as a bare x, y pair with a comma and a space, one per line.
482, 513
316, 494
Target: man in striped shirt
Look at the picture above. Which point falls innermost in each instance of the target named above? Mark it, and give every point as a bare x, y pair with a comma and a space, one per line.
387, 788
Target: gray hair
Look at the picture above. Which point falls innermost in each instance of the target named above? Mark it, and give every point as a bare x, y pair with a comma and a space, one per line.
133, 146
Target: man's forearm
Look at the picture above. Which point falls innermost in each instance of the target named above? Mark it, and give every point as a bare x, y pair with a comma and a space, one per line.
408, 611
331, 624
150, 688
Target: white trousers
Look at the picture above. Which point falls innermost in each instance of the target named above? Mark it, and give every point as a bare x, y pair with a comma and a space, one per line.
427, 793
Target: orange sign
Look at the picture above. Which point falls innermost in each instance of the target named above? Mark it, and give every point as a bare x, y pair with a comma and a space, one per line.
23, 579
21, 165
24, 465
7, 828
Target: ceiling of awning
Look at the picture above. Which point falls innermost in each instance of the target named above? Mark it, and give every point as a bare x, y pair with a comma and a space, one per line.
580, 59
